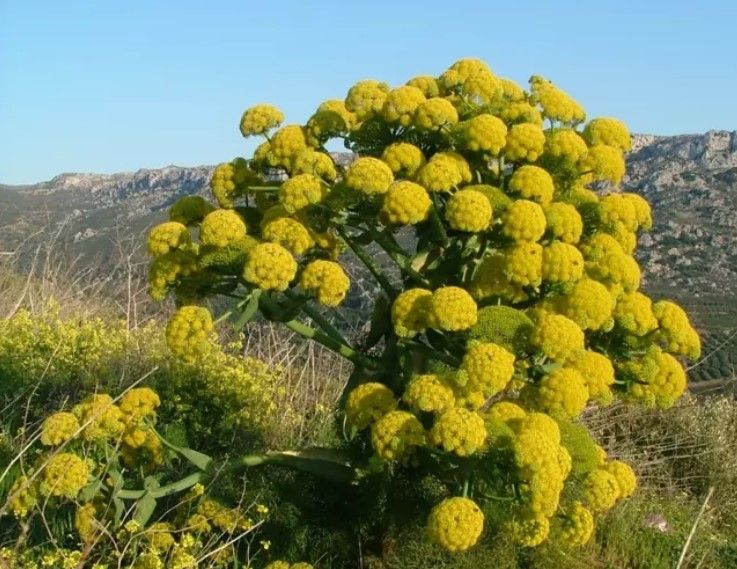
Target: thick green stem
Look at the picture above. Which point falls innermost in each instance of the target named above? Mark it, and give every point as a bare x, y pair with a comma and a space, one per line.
403, 261
369, 262
324, 324
437, 223
329, 342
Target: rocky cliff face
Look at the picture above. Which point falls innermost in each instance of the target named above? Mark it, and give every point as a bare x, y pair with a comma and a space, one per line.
690, 180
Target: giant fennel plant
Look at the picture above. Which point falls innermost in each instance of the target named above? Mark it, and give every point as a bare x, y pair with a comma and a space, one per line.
509, 295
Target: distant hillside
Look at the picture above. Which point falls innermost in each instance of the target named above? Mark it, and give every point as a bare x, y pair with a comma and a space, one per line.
690, 180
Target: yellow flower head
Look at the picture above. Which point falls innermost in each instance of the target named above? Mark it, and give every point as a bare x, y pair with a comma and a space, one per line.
451, 308
260, 119
598, 373
100, 418
532, 183
505, 411
556, 104
524, 220
615, 209
601, 490
523, 264
599, 246
485, 133
455, 524
429, 393
65, 474
319, 164
367, 403
435, 114
675, 331
468, 210
440, 174
562, 263
270, 267
625, 476
222, 227
369, 176
330, 120
589, 304
556, 336
301, 191
603, 163
139, 403
643, 212
190, 210
521, 112
406, 203
404, 159
58, 428
427, 84
230, 180
395, 434
409, 312
529, 530
401, 103
288, 233
525, 141
189, 331
619, 272
326, 280
661, 379
575, 527
167, 236
611, 132
563, 392
634, 313
487, 367
459, 431
566, 144
563, 222
366, 98
285, 145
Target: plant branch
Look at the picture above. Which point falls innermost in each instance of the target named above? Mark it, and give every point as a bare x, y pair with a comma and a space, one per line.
369, 262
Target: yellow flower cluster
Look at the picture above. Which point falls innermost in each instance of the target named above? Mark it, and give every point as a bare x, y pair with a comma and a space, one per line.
436, 114
270, 267
486, 367
532, 183
455, 524
485, 133
367, 403
401, 103
556, 104
598, 373
561, 393
524, 221
99, 417
289, 233
562, 263
65, 474
366, 98
260, 119
189, 331
451, 309
326, 280
575, 527
566, 144
440, 174
59, 428
429, 393
230, 180
406, 203
319, 164
166, 237
468, 210
285, 145
634, 313
459, 431
403, 159
409, 312
222, 227
300, 191
395, 434
563, 222
611, 132
675, 330
600, 490
558, 337
525, 141
660, 378
287, 565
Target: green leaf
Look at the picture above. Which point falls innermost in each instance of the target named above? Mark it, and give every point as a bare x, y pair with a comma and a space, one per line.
326, 463
198, 459
249, 310
88, 492
144, 509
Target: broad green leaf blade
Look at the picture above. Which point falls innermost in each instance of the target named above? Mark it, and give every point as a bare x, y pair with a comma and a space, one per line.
144, 509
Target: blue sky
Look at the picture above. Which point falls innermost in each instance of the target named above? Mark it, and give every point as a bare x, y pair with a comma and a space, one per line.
106, 86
